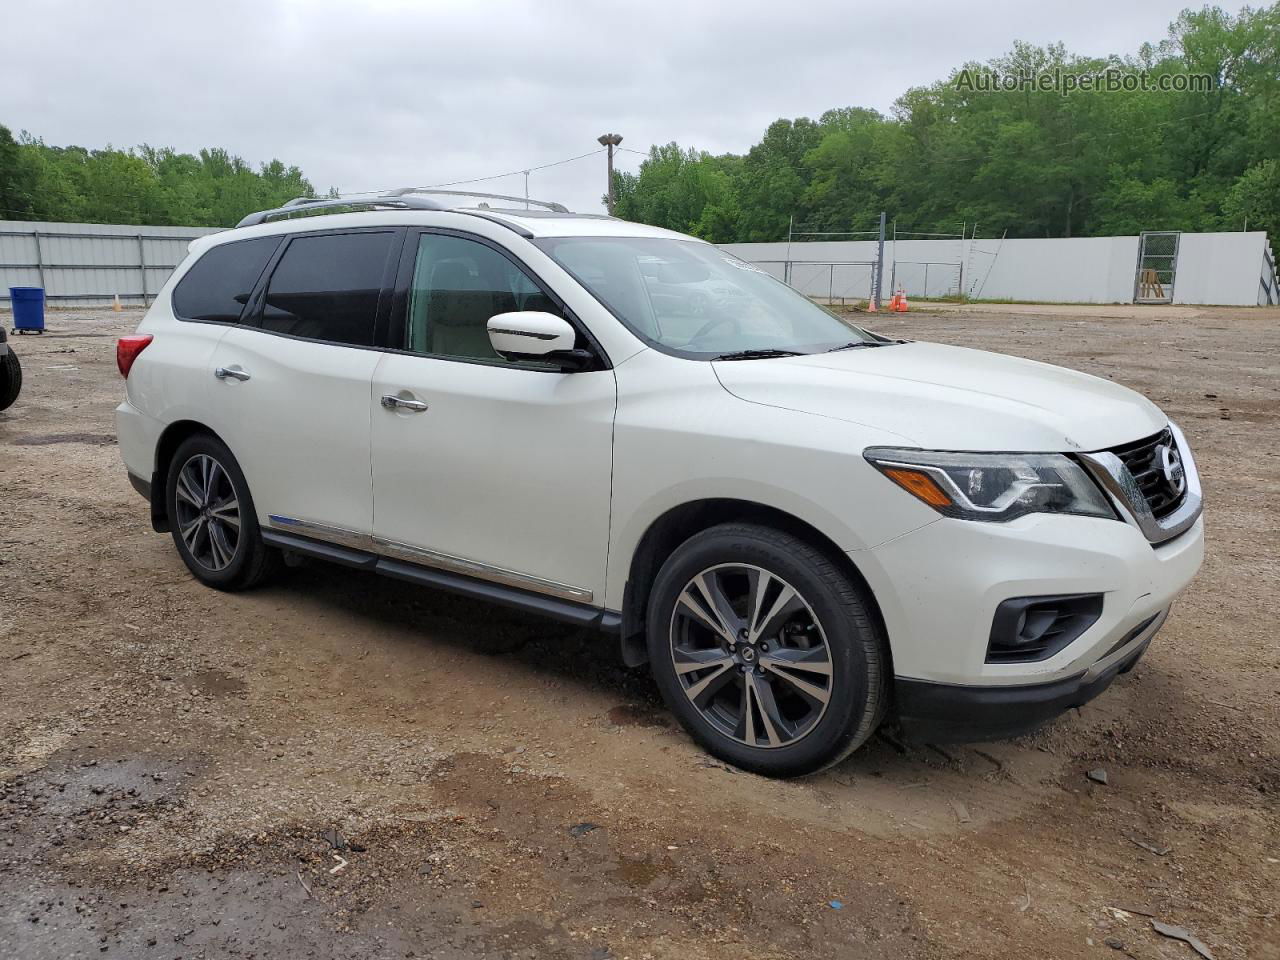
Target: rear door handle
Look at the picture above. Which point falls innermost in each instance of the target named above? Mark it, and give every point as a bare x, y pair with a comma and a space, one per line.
399, 403
235, 373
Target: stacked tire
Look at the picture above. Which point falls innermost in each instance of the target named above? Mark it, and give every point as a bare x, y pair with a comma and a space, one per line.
10, 375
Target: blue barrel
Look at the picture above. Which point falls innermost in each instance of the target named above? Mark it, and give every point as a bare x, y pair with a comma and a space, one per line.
28, 308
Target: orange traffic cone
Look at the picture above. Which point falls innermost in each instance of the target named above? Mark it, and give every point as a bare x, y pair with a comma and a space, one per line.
902, 301
893, 303
871, 305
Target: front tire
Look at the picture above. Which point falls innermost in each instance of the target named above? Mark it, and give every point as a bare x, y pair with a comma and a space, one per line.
765, 650
10, 379
212, 518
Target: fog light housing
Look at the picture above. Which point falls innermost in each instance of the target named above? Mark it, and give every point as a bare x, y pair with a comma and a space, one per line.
1028, 629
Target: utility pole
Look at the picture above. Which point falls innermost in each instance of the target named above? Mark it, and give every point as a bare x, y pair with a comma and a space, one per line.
610, 140
880, 259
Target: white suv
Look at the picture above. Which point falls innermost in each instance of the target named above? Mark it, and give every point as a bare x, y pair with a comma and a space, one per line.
801, 526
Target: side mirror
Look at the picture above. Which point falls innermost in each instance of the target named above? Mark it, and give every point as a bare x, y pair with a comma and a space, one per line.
534, 335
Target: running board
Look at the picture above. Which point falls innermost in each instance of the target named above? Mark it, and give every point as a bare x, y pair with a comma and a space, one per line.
565, 611
321, 550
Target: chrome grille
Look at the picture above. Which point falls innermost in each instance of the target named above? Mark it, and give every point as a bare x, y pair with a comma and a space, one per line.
1145, 461
1164, 503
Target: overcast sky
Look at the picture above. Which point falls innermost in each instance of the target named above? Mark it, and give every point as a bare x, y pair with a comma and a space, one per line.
376, 94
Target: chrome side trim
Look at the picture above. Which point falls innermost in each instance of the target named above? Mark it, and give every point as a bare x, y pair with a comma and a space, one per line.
1114, 477
323, 531
481, 571
430, 558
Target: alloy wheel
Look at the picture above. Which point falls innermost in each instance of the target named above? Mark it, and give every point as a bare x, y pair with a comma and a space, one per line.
751, 655
208, 512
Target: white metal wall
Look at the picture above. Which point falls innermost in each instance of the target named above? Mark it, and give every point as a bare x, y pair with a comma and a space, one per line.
1220, 268
1212, 268
81, 264
87, 263
1060, 270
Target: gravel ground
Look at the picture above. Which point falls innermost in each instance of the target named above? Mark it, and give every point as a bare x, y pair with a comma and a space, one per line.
342, 766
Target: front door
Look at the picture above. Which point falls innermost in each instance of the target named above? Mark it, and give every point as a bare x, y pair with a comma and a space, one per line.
499, 470
291, 387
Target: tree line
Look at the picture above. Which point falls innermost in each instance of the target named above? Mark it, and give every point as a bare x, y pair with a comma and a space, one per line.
1032, 161
145, 185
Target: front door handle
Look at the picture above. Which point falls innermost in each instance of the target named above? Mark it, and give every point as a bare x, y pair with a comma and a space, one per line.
234, 373
399, 403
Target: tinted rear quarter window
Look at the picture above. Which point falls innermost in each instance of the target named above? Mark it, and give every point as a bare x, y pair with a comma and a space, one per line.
327, 287
218, 285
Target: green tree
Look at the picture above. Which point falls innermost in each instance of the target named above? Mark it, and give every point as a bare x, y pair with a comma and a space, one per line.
1254, 201
15, 188
774, 179
147, 185
680, 189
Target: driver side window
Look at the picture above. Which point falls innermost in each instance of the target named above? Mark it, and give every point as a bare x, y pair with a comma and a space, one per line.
458, 284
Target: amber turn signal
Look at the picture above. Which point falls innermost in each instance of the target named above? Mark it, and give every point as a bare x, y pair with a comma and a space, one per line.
920, 485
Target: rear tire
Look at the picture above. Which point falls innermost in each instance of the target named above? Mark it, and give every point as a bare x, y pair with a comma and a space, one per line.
212, 518
741, 606
10, 379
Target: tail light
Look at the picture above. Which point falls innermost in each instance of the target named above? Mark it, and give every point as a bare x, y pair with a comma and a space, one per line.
128, 348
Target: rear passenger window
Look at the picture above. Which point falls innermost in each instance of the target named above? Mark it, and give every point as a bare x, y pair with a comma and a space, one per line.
218, 285
327, 287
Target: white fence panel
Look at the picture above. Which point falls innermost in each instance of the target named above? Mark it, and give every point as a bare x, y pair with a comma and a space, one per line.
81, 264
1212, 268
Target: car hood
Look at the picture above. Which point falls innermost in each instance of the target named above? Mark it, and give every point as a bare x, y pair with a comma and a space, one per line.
951, 398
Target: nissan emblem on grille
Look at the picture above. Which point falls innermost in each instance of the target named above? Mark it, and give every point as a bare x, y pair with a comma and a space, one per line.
1171, 467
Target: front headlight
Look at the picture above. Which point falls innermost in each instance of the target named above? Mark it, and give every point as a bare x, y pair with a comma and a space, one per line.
992, 486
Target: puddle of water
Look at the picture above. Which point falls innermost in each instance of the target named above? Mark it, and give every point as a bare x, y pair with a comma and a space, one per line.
639, 874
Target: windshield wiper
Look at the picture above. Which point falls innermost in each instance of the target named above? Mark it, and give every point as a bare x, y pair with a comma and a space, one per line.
759, 354
859, 344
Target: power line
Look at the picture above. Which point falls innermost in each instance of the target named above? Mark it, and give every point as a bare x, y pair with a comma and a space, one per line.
496, 176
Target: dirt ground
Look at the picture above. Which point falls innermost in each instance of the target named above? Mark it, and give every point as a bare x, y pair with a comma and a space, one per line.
343, 766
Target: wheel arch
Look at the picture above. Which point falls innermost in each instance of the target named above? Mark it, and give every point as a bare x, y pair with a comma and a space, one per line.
170, 438
668, 531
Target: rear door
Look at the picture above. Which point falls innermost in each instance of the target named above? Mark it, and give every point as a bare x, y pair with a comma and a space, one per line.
174, 382
499, 470
291, 388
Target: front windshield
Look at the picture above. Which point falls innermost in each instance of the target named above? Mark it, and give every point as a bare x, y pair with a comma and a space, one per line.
695, 300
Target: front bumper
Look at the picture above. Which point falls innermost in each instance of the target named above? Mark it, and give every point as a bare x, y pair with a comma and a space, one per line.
938, 588
943, 713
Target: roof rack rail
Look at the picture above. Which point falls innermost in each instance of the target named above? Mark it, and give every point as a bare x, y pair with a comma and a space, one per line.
402, 198
314, 203
432, 192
